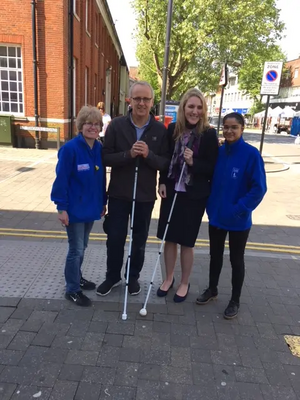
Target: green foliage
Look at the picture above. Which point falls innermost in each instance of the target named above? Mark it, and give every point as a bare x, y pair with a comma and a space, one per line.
257, 107
205, 33
251, 72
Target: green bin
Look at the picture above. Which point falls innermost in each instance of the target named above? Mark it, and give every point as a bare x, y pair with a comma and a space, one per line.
5, 130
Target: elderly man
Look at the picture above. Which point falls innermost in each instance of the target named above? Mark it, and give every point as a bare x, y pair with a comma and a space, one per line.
135, 136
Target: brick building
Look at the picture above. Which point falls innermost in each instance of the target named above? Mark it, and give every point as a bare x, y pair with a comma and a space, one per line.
289, 94
67, 77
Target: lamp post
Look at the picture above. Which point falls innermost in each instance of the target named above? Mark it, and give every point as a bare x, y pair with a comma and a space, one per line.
223, 83
166, 63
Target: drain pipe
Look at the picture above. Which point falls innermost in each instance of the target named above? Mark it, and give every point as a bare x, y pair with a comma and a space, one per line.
71, 67
35, 83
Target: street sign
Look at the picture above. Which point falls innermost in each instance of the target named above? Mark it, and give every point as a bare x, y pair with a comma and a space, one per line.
38, 129
171, 111
223, 78
271, 78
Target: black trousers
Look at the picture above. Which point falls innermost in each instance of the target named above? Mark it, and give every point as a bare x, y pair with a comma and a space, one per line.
119, 212
237, 244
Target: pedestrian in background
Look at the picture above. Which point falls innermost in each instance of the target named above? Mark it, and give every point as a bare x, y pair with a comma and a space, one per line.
193, 190
137, 136
79, 192
238, 186
106, 118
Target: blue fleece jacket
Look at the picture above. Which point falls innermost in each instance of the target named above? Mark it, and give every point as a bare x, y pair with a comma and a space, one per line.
238, 186
80, 186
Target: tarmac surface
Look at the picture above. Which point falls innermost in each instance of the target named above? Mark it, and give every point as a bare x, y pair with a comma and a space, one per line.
49, 349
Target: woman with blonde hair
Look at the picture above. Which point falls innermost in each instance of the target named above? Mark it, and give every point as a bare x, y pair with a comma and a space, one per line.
193, 142
106, 119
79, 192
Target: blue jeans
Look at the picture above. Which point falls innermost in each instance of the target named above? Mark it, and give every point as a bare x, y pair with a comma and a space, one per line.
78, 237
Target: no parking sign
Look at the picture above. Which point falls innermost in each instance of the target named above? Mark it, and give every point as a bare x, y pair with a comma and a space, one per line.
271, 78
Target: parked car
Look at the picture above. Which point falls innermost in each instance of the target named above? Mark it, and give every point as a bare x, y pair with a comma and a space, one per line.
213, 122
282, 128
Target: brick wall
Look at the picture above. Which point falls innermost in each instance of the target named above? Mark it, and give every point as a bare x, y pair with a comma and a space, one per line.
294, 64
94, 50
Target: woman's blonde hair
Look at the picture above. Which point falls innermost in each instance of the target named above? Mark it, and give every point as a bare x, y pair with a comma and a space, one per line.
101, 105
180, 126
90, 114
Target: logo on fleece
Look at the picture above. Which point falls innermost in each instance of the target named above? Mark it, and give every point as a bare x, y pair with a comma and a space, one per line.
83, 167
234, 173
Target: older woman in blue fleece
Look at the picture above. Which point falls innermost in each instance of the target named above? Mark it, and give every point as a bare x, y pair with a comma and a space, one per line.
79, 192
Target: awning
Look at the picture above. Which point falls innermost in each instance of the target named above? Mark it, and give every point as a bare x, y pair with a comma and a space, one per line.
238, 110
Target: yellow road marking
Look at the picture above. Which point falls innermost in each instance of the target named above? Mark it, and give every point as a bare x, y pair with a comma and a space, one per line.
102, 237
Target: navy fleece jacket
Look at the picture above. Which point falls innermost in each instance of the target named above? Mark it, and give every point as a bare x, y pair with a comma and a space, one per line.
80, 185
238, 186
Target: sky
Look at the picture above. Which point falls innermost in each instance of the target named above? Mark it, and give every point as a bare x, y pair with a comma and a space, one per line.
125, 23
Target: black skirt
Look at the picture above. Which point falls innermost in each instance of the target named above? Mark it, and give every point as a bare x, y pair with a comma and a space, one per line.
185, 221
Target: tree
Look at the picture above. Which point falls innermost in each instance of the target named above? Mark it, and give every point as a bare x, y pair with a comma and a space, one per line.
257, 107
251, 72
205, 33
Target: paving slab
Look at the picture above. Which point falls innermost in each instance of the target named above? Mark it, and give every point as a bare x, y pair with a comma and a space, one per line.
50, 348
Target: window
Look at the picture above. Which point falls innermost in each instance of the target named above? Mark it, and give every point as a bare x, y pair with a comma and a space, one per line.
296, 73
97, 29
11, 80
102, 44
95, 88
86, 85
231, 81
87, 16
74, 85
76, 8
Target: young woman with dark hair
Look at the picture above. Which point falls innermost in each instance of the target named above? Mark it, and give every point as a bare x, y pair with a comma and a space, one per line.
238, 186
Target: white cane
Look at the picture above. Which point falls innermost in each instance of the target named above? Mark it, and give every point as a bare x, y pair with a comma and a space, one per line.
143, 311
124, 315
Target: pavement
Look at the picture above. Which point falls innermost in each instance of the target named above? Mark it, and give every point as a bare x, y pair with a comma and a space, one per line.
49, 349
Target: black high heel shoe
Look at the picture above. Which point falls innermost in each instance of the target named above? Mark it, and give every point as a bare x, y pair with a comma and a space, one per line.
180, 299
163, 293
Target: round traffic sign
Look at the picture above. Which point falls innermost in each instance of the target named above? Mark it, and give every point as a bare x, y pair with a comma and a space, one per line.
271, 76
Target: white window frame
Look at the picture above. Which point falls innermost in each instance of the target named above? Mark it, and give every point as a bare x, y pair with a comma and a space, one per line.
19, 72
87, 9
97, 25
296, 74
75, 10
